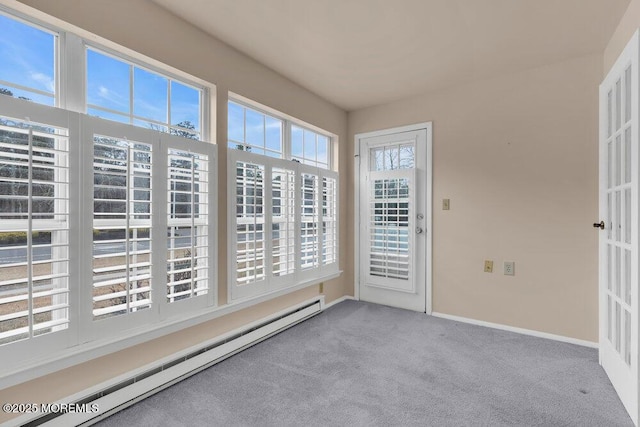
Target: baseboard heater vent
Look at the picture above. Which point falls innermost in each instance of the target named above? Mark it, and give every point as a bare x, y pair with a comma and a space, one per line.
127, 392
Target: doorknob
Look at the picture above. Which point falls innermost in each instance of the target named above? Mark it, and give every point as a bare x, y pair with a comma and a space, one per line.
419, 230
599, 225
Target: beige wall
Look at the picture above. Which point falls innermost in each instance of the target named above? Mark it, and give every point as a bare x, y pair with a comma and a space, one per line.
148, 29
518, 157
627, 26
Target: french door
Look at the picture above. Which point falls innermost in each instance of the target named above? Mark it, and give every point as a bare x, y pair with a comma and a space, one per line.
394, 220
619, 200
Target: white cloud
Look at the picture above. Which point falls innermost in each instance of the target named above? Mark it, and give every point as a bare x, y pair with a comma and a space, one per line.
45, 81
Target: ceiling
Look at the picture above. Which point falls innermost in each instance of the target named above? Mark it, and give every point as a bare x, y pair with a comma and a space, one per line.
358, 53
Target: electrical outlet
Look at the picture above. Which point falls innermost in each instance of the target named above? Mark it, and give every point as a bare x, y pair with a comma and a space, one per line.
509, 268
321, 287
445, 204
488, 266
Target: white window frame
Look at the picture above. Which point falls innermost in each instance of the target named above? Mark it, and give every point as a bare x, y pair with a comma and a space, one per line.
134, 63
302, 159
160, 309
270, 283
259, 110
288, 121
16, 352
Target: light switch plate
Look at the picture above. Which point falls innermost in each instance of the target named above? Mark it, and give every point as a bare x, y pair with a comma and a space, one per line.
445, 204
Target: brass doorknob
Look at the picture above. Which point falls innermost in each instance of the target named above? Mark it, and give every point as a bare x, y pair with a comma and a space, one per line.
599, 225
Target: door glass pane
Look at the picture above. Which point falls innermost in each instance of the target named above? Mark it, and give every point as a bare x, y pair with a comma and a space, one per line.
627, 215
618, 104
627, 155
627, 274
627, 94
609, 112
618, 160
609, 316
627, 337
609, 215
389, 212
391, 158
618, 322
618, 269
377, 159
611, 168
407, 159
609, 265
618, 224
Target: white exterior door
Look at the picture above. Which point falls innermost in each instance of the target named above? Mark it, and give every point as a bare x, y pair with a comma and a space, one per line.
394, 218
619, 226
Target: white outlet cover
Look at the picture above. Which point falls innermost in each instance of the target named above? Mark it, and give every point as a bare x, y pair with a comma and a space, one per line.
509, 268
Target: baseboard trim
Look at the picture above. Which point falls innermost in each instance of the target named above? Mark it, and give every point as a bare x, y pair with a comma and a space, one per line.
522, 331
338, 301
152, 378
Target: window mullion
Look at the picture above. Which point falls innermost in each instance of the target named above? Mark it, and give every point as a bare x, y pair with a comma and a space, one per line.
320, 216
131, 92
160, 186
194, 282
30, 319
298, 220
267, 199
286, 143
169, 106
73, 78
129, 186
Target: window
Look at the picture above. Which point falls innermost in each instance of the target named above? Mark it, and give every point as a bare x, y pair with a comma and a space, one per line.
119, 235
121, 91
253, 131
297, 243
283, 209
283, 196
122, 206
309, 227
329, 220
149, 225
188, 225
34, 230
309, 147
250, 218
28, 68
394, 157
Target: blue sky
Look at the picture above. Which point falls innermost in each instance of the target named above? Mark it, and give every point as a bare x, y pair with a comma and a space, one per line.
27, 59
108, 86
305, 144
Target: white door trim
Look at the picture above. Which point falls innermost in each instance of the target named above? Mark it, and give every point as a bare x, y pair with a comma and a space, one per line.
428, 126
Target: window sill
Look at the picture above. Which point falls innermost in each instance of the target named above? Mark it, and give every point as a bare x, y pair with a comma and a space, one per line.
82, 353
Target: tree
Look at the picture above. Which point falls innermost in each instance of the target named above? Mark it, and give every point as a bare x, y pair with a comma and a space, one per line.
188, 132
5, 91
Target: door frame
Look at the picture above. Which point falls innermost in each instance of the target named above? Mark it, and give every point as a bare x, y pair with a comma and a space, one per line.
428, 127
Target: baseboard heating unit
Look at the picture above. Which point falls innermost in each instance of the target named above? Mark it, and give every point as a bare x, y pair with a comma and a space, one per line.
152, 379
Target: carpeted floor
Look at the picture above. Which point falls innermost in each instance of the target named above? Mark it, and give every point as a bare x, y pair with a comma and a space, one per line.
361, 364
